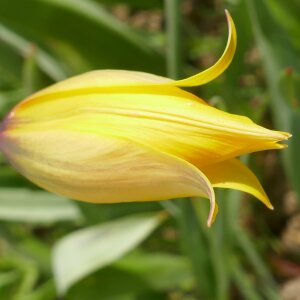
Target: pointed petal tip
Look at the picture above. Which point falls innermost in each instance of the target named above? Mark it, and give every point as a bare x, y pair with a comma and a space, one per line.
280, 136
266, 201
228, 16
213, 211
284, 135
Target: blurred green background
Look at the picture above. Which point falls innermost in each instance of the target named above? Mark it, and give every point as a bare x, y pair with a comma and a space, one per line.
55, 248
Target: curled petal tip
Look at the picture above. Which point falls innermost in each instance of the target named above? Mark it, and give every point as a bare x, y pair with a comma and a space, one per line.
220, 66
213, 211
227, 13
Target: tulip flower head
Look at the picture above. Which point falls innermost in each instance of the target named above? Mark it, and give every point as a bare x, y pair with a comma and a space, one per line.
119, 136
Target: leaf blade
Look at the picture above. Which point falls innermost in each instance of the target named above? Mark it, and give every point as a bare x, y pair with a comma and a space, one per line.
98, 246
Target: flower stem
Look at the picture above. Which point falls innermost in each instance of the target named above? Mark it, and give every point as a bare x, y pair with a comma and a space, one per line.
174, 35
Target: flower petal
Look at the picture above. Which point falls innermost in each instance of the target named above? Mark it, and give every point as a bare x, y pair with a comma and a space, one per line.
133, 81
108, 81
220, 66
173, 124
233, 174
102, 169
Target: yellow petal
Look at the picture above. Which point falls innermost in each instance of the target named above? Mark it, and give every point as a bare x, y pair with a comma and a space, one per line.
108, 81
220, 66
133, 81
102, 169
233, 174
172, 123
118, 136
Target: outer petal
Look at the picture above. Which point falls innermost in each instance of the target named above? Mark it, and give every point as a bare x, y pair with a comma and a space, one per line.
102, 169
133, 81
170, 123
234, 174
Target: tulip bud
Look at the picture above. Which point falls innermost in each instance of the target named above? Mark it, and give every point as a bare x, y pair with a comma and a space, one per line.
118, 136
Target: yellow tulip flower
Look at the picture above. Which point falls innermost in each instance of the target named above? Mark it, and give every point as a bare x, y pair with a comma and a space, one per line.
119, 136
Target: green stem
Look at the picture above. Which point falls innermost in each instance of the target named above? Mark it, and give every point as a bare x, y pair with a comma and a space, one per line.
30, 71
195, 245
258, 264
243, 282
215, 241
174, 35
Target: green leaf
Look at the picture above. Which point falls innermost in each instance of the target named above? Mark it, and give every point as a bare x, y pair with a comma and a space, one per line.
287, 13
160, 271
265, 277
90, 33
45, 61
45, 291
84, 251
24, 275
95, 213
244, 282
35, 206
135, 274
279, 57
10, 68
141, 4
197, 248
